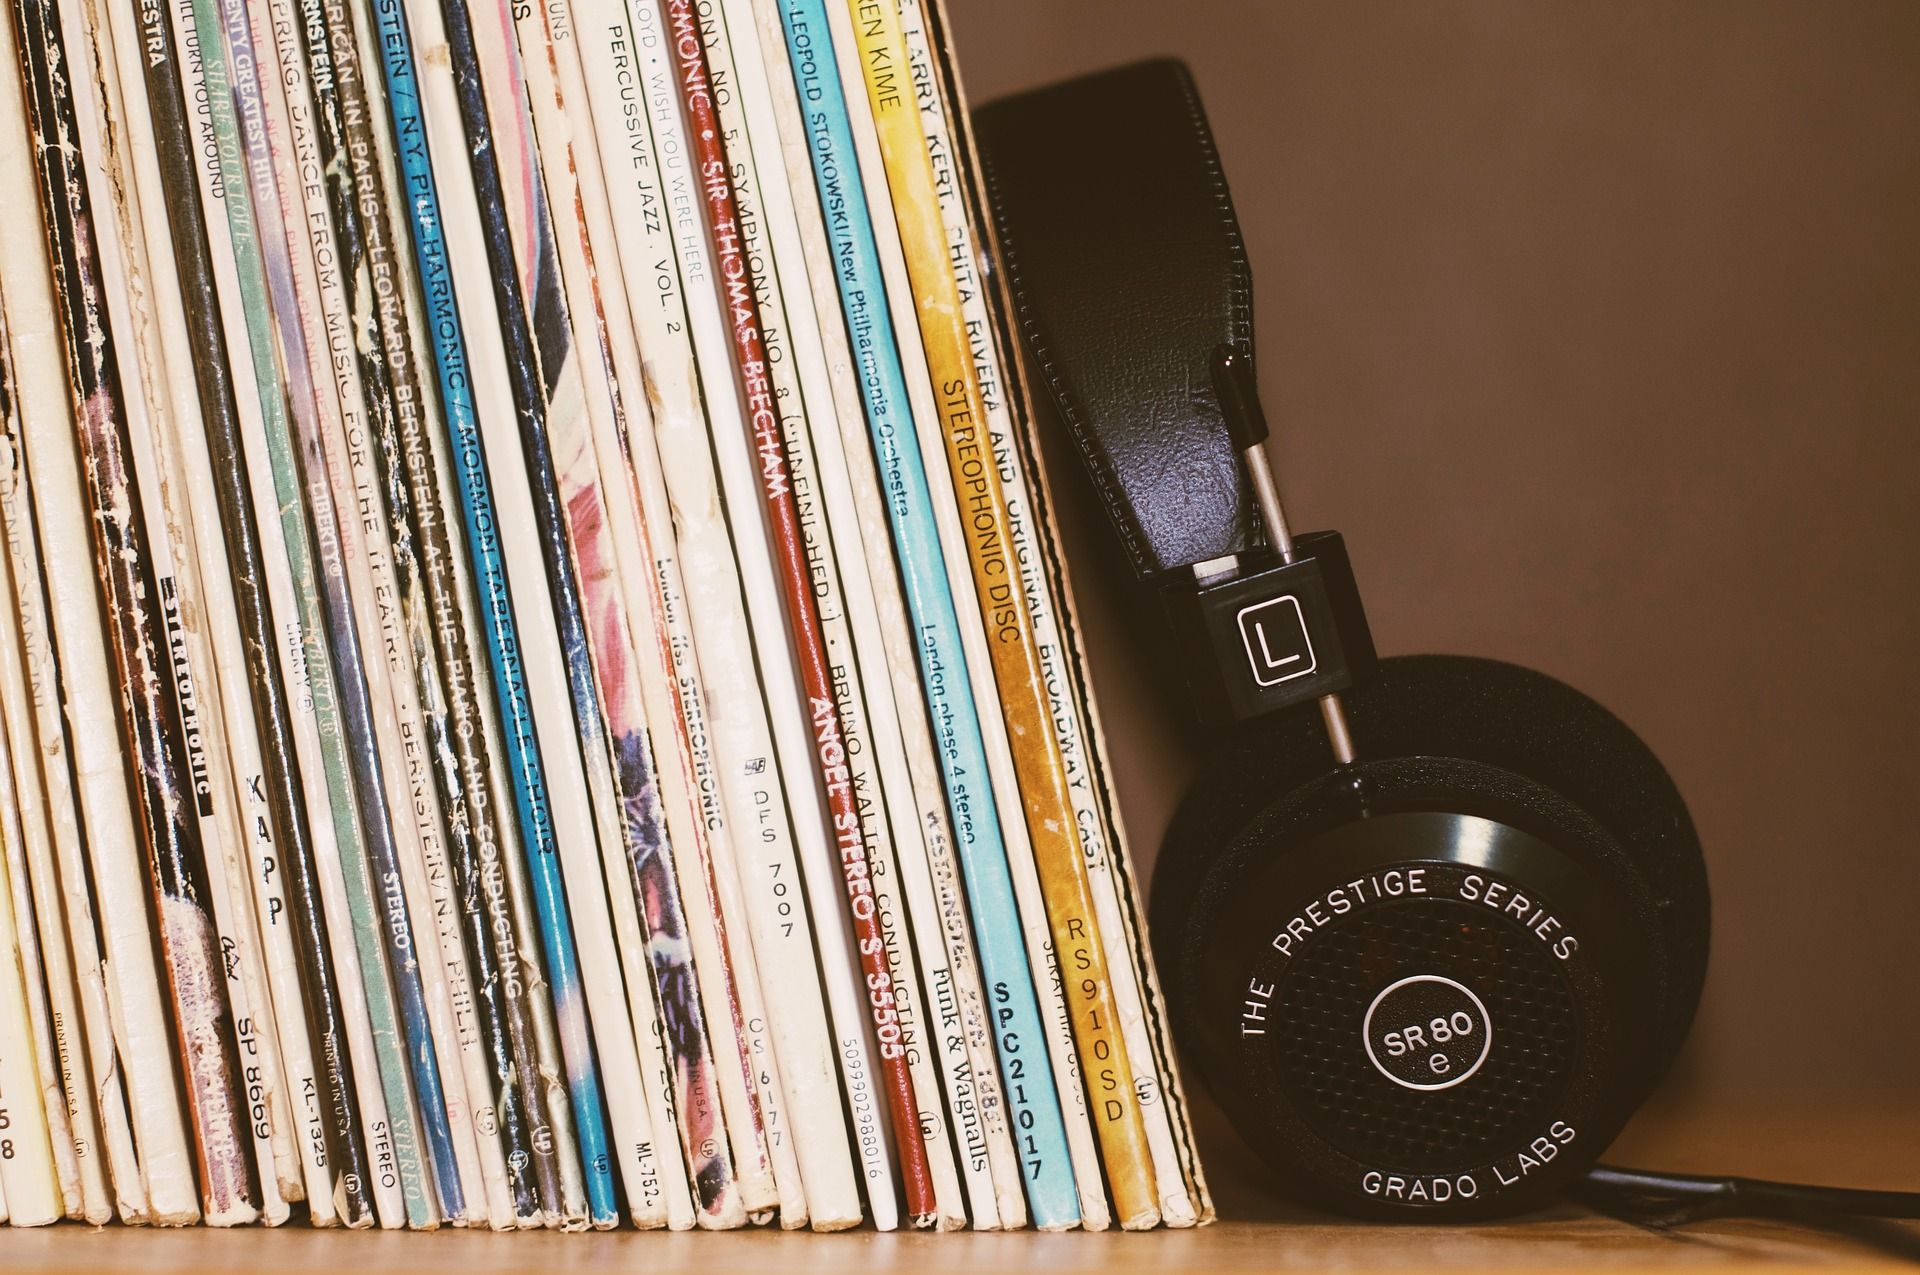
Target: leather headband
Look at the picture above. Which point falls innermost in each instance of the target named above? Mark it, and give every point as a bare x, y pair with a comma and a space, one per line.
1127, 268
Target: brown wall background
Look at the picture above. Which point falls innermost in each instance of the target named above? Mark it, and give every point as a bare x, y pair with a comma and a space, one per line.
1596, 327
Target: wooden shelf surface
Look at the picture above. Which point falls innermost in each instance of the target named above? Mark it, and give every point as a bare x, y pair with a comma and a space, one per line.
1572, 1244
1844, 1140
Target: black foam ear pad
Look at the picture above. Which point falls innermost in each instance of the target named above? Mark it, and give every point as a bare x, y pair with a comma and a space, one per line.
1520, 739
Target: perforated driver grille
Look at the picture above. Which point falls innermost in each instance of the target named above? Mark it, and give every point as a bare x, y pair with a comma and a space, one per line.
1323, 999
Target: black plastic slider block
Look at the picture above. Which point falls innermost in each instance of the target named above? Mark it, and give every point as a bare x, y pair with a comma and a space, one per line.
1274, 634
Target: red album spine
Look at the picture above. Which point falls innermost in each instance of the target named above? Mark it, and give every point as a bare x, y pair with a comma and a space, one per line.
750, 361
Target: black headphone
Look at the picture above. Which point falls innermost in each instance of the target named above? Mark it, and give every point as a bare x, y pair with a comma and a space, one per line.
1431, 945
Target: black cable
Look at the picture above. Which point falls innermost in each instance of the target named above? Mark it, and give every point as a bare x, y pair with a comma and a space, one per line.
1702, 1196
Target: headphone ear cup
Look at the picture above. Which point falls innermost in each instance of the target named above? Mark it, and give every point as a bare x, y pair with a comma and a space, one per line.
1523, 721
1456, 734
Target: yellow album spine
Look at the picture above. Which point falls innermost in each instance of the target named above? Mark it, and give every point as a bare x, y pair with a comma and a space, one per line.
1038, 764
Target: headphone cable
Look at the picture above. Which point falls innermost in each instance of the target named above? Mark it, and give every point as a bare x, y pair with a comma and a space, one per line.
1671, 1199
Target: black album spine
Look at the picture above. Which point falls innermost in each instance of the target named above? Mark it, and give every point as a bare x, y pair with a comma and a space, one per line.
346, 1149
150, 717
423, 559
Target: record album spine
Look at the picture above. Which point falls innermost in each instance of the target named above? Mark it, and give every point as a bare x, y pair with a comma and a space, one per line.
590, 608
41, 1075
810, 406
785, 1123
70, 1011
274, 839
648, 570
819, 628
532, 328
82, 774
996, 918
570, 1208
337, 752
339, 458
31, 1061
30, 1090
150, 716
143, 289
375, 875
34, 1056
527, 768
69, 1101
727, 441
46, 974
562, 486
1082, 1150
404, 485
954, 163
377, 880
976, 180
956, 1006
222, 453
29, 1178
1044, 787
680, 649
598, 503
794, 1053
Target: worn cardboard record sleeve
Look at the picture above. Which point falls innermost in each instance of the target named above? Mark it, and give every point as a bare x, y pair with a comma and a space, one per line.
1116, 852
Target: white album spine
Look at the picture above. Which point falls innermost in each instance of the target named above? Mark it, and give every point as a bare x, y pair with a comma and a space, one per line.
251, 859
96, 1097
792, 741
199, 570
791, 1049
708, 1070
29, 1179
224, 1092
674, 696
69, 1100
621, 781
166, 1184
1094, 1212
131, 285
32, 1059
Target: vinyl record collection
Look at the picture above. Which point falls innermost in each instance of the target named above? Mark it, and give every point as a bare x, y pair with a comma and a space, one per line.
539, 687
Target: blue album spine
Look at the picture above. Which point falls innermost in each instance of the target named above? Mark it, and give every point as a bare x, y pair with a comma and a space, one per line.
530, 798
1019, 1038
